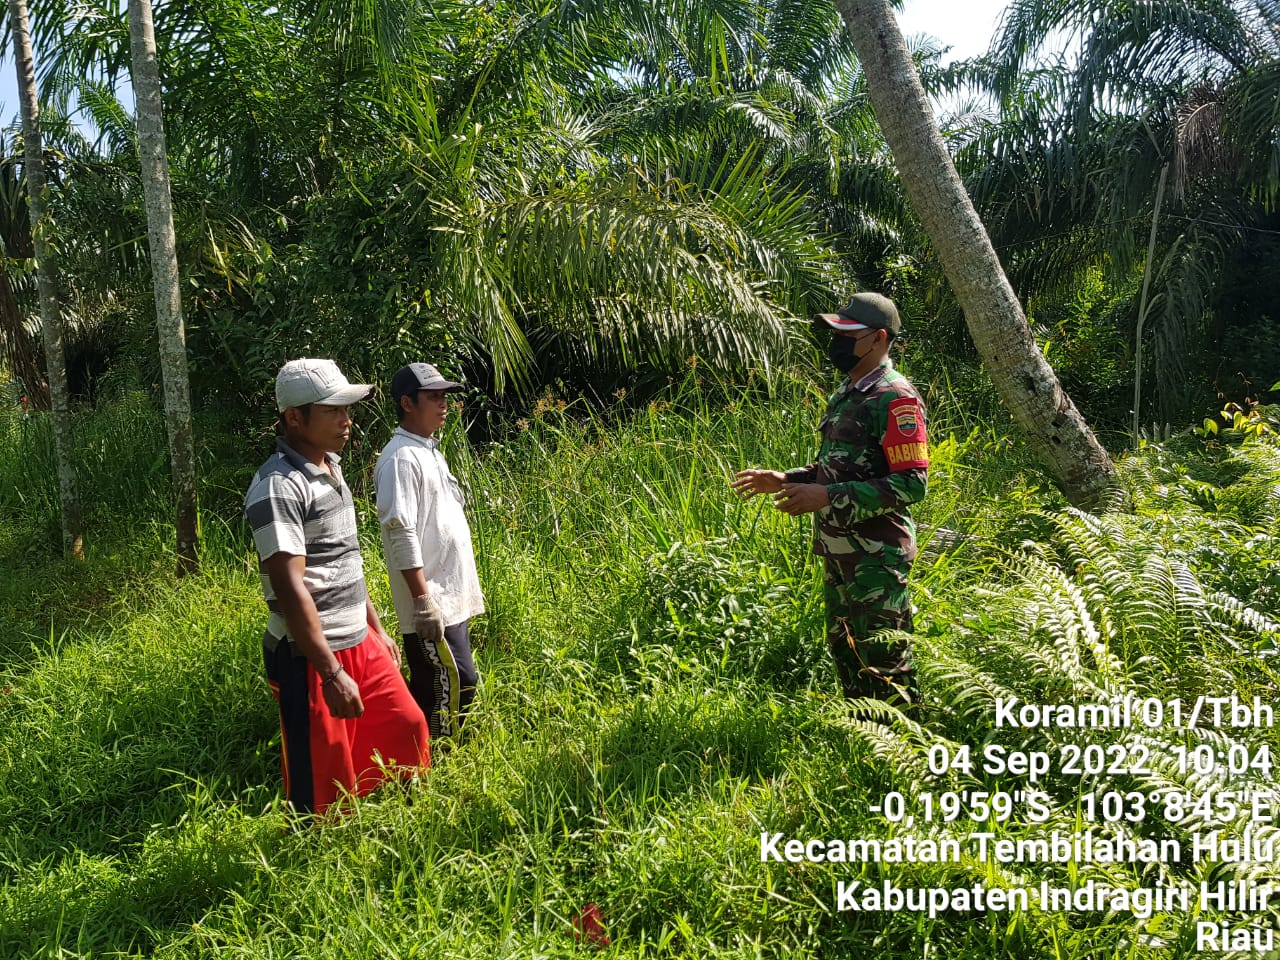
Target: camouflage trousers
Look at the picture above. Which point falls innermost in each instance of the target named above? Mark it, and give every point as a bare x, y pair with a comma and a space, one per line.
865, 594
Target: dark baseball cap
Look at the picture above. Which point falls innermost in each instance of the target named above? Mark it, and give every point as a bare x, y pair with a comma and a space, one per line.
420, 376
865, 311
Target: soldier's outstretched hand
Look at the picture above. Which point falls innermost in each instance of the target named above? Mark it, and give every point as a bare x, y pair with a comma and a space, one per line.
747, 483
797, 498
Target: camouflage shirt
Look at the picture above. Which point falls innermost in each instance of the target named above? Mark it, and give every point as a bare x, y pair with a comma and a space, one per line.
874, 462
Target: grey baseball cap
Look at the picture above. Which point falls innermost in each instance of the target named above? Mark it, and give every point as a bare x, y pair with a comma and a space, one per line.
865, 311
306, 381
420, 376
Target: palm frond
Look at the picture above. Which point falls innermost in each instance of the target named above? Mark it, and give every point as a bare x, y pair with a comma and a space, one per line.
114, 124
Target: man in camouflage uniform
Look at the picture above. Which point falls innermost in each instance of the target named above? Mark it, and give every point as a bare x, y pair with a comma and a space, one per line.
872, 464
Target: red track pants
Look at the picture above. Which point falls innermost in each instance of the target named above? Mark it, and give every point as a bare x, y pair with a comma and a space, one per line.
324, 757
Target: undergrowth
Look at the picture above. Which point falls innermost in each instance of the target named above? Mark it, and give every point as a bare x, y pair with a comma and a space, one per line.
656, 695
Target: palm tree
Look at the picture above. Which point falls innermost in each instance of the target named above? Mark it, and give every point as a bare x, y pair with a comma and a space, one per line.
674, 145
47, 280
685, 97
1190, 87
1025, 381
464, 181
164, 268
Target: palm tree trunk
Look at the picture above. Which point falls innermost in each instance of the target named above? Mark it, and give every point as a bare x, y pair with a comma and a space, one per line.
164, 273
47, 282
1025, 381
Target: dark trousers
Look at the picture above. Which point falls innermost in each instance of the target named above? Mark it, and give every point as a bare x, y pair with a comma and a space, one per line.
443, 678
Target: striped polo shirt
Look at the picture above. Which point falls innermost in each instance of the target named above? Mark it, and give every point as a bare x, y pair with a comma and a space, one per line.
298, 508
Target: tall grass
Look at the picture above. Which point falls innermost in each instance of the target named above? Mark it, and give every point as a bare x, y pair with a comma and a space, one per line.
656, 694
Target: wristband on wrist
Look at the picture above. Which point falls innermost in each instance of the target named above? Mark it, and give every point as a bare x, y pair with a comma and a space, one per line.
324, 682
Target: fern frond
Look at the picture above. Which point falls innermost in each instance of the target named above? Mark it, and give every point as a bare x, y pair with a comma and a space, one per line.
1232, 611
872, 726
1154, 606
1190, 601
970, 690
1062, 610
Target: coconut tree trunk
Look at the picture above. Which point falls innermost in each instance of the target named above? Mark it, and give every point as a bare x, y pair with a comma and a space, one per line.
47, 282
164, 275
1025, 381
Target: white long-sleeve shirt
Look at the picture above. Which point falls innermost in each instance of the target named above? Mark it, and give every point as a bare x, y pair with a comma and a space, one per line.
420, 509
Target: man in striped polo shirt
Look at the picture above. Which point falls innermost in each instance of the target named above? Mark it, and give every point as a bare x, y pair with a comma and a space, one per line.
346, 714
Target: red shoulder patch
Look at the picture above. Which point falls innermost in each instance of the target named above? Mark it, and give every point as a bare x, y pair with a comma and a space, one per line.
905, 445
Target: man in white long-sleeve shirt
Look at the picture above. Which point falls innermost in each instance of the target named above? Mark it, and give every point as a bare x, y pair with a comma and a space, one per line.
427, 543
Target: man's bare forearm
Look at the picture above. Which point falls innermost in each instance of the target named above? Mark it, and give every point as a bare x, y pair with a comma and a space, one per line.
299, 610
303, 621
416, 582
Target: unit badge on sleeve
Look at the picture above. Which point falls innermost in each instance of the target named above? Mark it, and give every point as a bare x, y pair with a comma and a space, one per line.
905, 445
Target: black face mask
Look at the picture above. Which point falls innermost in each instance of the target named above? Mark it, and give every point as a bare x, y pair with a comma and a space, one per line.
840, 351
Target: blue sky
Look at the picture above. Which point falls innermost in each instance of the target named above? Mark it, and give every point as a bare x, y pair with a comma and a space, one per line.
966, 25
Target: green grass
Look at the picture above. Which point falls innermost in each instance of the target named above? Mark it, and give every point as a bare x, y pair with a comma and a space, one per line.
656, 694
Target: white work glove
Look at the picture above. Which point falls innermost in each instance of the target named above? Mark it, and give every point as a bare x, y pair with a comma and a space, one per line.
428, 621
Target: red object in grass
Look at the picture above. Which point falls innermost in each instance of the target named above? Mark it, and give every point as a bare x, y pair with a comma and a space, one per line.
589, 925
